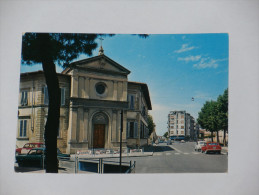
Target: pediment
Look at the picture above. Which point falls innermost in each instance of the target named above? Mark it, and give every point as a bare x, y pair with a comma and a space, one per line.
101, 63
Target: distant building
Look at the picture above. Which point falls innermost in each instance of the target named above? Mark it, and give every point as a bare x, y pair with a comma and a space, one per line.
94, 91
180, 125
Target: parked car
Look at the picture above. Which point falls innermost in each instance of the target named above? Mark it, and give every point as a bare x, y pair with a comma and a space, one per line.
27, 147
182, 141
198, 145
36, 156
211, 147
169, 142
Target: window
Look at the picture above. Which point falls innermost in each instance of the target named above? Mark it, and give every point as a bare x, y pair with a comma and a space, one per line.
131, 100
182, 132
182, 127
46, 95
172, 127
63, 90
24, 98
100, 88
132, 130
23, 128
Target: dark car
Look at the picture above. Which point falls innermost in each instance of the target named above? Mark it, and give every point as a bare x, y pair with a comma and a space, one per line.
36, 156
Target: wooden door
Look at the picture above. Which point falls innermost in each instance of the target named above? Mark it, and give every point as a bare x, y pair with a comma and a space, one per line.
99, 136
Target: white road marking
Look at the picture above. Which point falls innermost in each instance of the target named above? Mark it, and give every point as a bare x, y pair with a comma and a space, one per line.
196, 153
175, 149
168, 154
176, 153
186, 153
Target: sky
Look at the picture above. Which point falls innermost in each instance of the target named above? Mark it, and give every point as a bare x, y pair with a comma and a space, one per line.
176, 68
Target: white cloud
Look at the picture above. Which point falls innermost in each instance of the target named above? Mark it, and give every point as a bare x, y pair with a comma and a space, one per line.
185, 48
208, 63
190, 58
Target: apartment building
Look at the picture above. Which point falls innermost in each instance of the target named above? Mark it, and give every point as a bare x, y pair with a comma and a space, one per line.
180, 125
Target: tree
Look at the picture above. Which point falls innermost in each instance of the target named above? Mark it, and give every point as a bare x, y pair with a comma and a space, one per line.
48, 49
151, 124
208, 117
165, 134
214, 115
223, 113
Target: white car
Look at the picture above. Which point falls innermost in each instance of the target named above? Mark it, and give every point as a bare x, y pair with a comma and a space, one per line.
198, 145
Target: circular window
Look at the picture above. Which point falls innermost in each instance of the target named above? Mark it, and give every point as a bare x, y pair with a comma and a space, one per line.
100, 88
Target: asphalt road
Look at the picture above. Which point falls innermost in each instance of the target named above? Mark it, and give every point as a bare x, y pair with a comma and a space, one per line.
175, 158
181, 158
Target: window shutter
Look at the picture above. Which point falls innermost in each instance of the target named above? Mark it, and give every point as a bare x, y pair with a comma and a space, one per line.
21, 127
132, 103
22, 96
62, 96
25, 98
135, 129
128, 129
46, 96
25, 128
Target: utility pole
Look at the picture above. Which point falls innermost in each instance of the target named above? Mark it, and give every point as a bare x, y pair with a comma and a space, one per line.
121, 137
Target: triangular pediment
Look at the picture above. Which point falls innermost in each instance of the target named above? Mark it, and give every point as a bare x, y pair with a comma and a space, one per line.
100, 63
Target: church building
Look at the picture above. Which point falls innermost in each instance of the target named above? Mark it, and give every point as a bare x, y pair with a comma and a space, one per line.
94, 93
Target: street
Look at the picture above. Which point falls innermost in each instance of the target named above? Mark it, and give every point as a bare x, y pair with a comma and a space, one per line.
175, 158
181, 158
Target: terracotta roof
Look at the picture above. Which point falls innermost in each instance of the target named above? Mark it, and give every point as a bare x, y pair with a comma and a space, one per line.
145, 90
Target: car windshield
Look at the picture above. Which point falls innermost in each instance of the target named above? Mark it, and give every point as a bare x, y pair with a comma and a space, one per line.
32, 152
213, 144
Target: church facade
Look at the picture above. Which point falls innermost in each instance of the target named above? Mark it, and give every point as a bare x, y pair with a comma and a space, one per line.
94, 93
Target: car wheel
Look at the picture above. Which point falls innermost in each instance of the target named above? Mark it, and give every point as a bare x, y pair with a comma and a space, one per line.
219, 152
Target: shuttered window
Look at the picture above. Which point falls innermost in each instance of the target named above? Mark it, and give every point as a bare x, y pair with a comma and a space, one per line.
24, 98
135, 129
23, 128
46, 95
63, 90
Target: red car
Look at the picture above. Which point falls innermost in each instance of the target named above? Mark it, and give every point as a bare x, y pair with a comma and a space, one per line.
27, 147
211, 147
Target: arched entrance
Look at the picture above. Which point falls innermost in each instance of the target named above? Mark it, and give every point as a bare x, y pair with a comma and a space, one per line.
100, 122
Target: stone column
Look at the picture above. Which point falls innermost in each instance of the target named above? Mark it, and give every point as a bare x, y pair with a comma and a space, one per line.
74, 86
80, 124
124, 91
115, 90
87, 87
86, 124
114, 125
81, 87
73, 126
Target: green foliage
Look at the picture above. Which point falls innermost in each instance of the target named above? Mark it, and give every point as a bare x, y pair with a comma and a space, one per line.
214, 114
151, 124
166, 134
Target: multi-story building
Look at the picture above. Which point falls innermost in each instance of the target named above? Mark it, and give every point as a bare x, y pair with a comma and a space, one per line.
94, 92
180, 125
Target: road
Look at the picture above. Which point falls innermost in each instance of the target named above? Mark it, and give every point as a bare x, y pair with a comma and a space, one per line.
181, 158
175, 158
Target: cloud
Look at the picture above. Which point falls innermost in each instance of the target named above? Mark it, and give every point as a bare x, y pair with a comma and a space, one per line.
190, 58
208, 62
185, 48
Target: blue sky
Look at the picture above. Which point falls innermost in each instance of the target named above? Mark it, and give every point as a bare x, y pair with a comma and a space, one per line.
176, 68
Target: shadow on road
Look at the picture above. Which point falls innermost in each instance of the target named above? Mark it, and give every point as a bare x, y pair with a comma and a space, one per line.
157, 149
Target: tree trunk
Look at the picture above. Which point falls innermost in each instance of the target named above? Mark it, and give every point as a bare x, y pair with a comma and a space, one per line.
52, 124
224, 137
217, 136
211, 136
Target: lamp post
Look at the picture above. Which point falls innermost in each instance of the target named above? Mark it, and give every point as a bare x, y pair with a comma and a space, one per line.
121, 137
